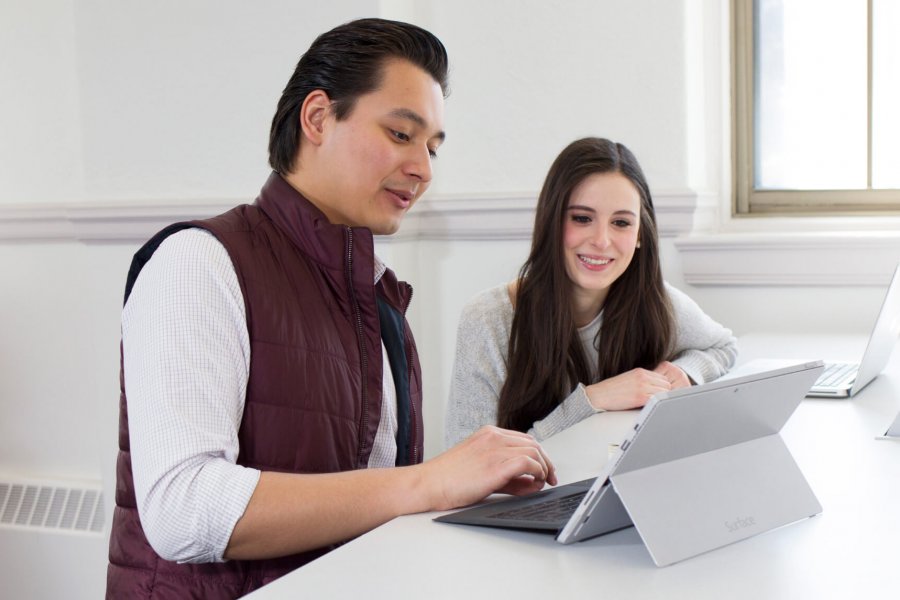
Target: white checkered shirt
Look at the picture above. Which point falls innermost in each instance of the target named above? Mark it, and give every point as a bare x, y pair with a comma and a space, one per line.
186, 361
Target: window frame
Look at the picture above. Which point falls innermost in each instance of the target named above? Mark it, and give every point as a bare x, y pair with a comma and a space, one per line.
748, 201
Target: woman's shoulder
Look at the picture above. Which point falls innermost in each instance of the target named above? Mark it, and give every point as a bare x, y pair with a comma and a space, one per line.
490, 303
676, 296
488, 315
686, 310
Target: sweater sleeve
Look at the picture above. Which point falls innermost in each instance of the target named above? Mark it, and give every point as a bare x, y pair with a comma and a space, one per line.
480, 369
704, 349
573, 409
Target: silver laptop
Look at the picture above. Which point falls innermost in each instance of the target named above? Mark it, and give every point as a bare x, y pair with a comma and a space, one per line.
893, 430
843, 380
703, 467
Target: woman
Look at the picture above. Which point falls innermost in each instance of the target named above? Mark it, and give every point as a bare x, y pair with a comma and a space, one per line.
589, 325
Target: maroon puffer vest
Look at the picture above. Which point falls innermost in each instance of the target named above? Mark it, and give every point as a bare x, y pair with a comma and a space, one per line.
316, 325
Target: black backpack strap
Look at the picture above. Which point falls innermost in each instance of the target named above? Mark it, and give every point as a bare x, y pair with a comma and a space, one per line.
142, 256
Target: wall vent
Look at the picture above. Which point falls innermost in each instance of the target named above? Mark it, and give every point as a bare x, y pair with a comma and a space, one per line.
57, 507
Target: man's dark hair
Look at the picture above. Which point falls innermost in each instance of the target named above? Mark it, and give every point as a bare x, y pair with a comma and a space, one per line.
346, 63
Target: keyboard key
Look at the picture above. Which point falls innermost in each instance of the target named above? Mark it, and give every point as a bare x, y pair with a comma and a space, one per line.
558, 509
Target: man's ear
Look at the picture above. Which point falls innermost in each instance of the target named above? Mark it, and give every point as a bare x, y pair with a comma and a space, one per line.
315, 110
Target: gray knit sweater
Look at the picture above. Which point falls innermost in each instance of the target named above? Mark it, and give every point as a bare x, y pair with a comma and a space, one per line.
704, 350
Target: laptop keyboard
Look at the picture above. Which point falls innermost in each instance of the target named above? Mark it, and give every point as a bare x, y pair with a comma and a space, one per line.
558, 509
835, 373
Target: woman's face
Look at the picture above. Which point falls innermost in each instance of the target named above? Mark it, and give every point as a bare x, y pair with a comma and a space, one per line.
600, 235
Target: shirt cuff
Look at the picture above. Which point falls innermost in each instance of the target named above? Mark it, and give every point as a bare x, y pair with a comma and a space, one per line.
581, 393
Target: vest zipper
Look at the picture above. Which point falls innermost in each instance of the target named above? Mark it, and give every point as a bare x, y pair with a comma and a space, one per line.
363, 357
409, 375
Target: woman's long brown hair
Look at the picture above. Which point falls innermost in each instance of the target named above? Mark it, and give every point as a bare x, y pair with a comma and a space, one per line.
546, 359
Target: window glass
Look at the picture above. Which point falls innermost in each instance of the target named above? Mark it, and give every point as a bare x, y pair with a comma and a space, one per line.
812, 95
886, 94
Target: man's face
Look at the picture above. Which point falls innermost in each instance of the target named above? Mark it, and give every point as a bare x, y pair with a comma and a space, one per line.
379, 157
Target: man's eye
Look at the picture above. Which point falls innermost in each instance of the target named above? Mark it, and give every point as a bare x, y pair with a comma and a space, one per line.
400, 135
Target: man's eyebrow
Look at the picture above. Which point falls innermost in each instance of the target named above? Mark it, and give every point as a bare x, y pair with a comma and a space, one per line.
411, 115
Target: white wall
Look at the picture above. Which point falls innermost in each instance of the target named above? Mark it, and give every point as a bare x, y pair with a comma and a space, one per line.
40, 148
116, 102
124, 105
529, 77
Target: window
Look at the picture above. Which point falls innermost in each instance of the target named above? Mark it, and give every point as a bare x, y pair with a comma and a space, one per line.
817, 106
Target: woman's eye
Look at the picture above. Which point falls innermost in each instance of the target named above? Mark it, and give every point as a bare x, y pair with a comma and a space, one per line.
582, 219
621, 223
432, 153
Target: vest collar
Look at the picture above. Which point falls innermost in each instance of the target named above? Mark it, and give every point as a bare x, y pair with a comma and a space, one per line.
311, 231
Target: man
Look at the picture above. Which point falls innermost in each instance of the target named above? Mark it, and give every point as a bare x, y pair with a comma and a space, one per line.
267, 366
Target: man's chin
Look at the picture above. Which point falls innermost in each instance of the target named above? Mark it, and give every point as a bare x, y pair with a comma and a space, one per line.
386, 228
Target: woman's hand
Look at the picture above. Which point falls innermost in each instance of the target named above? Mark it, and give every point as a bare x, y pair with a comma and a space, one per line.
676, 377
633, 388
628, 390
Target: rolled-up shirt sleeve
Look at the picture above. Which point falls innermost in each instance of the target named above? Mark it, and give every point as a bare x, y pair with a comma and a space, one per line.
186, 365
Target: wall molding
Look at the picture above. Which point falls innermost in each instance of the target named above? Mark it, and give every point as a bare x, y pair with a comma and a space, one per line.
819, 258
124, 222
471, 217
843, 252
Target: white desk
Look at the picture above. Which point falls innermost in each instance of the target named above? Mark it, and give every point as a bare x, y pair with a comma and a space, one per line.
851, 550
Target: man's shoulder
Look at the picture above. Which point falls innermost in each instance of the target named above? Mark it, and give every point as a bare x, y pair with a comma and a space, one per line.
241, 218
190, 237
192, 246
